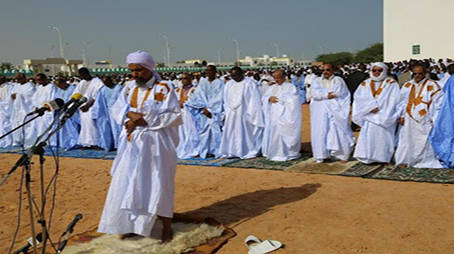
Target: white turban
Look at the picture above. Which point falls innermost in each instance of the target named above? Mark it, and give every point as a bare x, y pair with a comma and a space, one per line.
383, 74
142, 58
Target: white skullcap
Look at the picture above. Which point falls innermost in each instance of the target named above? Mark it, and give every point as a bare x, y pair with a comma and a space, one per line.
141, 57
381, 65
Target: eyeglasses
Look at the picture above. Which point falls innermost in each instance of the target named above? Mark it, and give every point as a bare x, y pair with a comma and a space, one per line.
327, 69
377, 70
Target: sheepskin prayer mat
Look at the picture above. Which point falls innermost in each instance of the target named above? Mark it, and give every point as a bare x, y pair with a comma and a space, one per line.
329, 167
192, 235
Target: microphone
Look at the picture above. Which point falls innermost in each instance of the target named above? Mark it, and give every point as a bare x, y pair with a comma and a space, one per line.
70, 112
24, 249
75, 97
48, 106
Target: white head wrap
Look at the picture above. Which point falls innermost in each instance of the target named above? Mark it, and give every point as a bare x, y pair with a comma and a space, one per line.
383, 74
142, 58
145, 59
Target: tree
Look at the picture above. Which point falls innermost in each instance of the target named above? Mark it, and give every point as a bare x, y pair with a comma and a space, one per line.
160, 65
6, 66
335, 59
373, 53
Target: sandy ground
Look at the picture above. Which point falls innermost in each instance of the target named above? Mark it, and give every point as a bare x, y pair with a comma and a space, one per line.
308, 213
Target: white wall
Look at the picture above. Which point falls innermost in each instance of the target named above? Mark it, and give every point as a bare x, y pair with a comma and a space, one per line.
418, 22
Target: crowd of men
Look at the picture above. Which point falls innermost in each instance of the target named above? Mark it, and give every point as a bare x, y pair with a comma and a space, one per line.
245, 114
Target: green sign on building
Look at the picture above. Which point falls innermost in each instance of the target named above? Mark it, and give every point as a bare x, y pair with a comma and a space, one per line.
416, 49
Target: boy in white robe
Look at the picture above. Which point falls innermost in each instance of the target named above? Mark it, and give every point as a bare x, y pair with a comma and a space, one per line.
375, 110
420, 102
282, 110
331, 134
143, 172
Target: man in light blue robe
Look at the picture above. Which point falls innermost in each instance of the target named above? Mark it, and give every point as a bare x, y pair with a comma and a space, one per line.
298, 81
282, 110
109, 93
206, 108
189, 140
69, 133
442, 135
244, 122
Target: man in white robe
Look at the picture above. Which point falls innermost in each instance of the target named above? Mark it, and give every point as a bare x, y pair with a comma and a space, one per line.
5, 108
143, 172
331, 134
45, 92
206, 107
420, 102
95, 129
375, 111
22, 96
244, 121
282, 110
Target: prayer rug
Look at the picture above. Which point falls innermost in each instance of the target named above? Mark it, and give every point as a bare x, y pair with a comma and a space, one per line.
431, 175
219, 162
329, 167
101, 154
361, 169
263, 163
191, 235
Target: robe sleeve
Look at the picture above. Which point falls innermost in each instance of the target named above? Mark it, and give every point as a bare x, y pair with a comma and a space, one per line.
387, 114
163, 114
318, 93
363, 103
437, 101
254, 112
120, 107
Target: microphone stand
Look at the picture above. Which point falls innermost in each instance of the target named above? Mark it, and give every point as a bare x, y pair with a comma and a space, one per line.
24, 160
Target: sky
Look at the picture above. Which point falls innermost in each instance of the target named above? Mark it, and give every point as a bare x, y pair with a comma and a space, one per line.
196, 29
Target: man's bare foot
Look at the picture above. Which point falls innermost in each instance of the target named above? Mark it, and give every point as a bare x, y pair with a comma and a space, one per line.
402, 166
128, 235
343, 161
167, 235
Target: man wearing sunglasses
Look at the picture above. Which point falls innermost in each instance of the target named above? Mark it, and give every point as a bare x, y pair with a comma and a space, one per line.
375, 110
420, 103
331, 135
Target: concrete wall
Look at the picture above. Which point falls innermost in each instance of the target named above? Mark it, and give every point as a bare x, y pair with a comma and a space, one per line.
418, 22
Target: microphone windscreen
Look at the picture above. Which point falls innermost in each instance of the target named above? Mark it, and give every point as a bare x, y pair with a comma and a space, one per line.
60, 103
76, 96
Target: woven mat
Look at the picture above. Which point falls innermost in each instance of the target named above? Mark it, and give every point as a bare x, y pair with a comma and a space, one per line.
211, 246
263, 163
330, 168
431, 175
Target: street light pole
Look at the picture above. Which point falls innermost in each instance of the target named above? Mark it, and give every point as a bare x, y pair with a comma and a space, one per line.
237, 44
277, 49
84, 52
60, 40
167, 48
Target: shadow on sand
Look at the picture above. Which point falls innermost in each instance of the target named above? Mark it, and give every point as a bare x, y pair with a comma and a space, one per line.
249, 205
